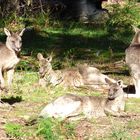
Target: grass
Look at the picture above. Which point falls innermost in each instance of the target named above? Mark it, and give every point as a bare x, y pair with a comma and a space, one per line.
14, 130
120, 133
70, 46
87, 40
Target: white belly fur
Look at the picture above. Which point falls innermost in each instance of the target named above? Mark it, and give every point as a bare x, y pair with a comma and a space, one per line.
11, 63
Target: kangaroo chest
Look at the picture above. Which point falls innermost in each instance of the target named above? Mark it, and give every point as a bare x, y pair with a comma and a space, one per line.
116, 105
8, 58
10, 62
93, 107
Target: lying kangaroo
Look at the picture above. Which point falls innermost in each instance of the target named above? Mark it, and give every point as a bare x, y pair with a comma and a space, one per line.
73, 106
82, 75
132, 57
9, 55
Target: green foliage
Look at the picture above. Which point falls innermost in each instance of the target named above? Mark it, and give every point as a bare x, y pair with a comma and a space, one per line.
14, 22
57, 65
28, 65
42, 20
69, 56
133, 124
23, 65
69, 129
119, 133
45, 128
122, 17
14, 130
53, 129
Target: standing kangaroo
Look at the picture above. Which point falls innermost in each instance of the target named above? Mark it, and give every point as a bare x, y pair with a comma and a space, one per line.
73, 106
80, 76
132, 57
9, 56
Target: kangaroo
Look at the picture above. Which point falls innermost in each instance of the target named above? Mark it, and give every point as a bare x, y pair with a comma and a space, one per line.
9, 56
132, 59
74, 106
83, 75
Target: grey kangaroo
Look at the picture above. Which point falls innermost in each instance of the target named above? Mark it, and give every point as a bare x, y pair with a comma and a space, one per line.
81, 76
9, 56
132, 57
73, 106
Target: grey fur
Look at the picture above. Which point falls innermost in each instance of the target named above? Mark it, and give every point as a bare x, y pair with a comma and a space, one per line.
9, 56
74, 106
132, 58
80, 76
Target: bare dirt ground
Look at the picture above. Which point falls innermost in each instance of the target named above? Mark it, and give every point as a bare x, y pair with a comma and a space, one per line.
4, 110
103, 127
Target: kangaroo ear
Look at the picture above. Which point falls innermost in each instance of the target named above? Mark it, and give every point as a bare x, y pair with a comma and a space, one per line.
136, 29
21, 33
40, 56
49, 59
120, 83
7, 32
108, 81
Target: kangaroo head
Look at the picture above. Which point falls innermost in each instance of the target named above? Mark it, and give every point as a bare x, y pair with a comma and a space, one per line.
136, 38
44, 65
14, 40
116, 90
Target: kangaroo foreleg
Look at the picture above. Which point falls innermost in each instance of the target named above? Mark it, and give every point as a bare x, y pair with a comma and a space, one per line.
110, 112
10, 74
2, 83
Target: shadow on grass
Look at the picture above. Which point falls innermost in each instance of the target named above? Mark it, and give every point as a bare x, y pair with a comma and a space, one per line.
60, 42
122, 72
76, 44
12, 100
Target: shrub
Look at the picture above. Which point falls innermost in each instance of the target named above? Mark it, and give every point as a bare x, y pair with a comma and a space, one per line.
122, 17
45, 128
55, 129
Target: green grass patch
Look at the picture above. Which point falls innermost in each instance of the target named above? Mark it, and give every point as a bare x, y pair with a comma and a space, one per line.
14, 130
52, 129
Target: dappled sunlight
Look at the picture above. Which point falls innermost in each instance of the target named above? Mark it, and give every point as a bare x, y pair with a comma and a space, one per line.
88, 42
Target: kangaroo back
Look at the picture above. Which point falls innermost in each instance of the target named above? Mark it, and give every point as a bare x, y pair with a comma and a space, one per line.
93, 78
64, 106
